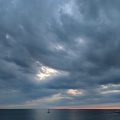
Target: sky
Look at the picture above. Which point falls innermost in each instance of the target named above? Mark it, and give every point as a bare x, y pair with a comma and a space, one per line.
59, 54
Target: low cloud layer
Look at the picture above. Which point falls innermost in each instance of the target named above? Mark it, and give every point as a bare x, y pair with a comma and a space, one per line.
59, 53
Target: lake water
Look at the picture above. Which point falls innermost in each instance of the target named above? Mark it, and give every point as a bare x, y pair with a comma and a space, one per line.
58, 115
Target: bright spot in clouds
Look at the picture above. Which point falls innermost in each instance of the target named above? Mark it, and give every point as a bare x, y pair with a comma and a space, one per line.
46, 72
75, 92
104, 86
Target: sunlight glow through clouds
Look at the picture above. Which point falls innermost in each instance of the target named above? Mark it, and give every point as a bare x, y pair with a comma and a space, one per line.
75, 92
46, 72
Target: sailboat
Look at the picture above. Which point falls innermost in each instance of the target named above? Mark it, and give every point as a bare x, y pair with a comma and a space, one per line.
48, 111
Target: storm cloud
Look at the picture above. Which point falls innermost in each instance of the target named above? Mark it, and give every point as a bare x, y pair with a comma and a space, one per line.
59, 53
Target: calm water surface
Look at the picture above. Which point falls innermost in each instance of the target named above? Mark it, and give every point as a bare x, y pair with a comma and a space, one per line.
58, 115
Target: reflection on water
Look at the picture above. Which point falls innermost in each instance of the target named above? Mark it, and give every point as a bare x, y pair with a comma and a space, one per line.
58, 115
16, 115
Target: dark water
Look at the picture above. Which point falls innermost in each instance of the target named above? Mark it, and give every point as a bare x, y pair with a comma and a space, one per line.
58, 115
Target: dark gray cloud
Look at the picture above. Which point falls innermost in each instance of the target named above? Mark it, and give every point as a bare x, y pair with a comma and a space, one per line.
79, 39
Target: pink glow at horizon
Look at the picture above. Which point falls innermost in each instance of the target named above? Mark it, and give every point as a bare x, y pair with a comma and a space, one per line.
100, 106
